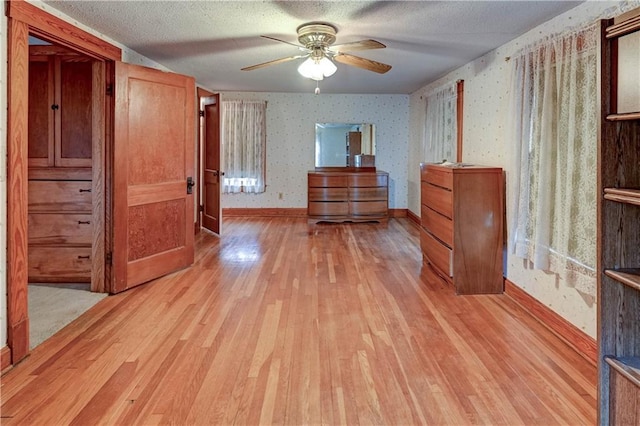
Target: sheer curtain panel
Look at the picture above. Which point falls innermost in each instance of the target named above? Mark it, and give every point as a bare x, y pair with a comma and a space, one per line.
243, 137
554, 129
441, 129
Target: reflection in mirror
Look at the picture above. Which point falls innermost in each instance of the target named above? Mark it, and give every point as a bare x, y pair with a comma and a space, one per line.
338, 144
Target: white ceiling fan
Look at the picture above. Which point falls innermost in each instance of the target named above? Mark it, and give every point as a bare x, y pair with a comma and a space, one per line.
316, 41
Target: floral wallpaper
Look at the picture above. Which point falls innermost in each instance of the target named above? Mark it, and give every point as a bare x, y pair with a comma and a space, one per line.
291, 119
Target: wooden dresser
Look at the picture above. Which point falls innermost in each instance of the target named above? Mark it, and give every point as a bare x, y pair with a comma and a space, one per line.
461, 235
60, 232
348, 196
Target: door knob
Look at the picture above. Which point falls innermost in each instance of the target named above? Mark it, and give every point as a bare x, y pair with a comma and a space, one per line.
190, 184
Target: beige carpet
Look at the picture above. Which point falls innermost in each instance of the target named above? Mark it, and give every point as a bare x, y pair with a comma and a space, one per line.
51, 307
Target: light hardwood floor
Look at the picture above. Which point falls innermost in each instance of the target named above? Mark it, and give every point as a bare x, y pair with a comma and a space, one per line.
280, 322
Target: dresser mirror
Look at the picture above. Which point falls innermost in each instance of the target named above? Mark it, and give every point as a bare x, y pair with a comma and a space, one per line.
345, 145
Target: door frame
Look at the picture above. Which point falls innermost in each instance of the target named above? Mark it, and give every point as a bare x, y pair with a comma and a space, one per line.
25, 19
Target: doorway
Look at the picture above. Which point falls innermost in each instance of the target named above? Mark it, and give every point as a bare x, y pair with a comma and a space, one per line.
61, 130
25, 20
210, 175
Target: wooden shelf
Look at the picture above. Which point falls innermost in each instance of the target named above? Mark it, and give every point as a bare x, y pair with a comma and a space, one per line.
622, 195
629, 367
629, 277
623, 117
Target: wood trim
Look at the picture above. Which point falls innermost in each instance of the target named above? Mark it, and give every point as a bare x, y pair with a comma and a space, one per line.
17, 195
5, 358
398, 212
573, 336
98, 171
248, 212
55, 29
459, 118
414, 218
290, 212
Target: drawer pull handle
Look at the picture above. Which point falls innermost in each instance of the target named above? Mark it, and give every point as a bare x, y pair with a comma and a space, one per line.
84, 257
84, 222
85, 190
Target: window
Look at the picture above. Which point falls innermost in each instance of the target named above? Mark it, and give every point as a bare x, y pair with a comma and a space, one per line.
243, 136
554, 127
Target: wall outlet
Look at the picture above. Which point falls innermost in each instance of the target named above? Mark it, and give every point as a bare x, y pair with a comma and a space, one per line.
279, 195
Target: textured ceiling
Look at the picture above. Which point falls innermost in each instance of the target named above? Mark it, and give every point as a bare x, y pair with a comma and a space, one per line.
213, 40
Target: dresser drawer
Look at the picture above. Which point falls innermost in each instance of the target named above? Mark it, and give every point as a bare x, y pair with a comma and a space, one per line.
438, 225
64, 228
437, 198
327, 194
438, 176
52, 195
317, 208
367, 180
59, 264
368, 194
368, 208
437, 254
327, 180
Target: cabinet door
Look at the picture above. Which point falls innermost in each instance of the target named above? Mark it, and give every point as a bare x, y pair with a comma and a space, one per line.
41, 114
74, 119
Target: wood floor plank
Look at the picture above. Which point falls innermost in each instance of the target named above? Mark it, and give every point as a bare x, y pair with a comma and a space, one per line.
282, 322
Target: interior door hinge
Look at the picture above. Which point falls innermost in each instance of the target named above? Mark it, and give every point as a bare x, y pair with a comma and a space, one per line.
109, 89
201, 208
201, 113
108, 258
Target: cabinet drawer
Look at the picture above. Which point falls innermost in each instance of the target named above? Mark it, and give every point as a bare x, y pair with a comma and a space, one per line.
437, 254
437, 198
368, 194
368, 208
328, 208
367, 180
51, 195
438, 176
53, 228
327, 181
59, 264
438, 225
327, 194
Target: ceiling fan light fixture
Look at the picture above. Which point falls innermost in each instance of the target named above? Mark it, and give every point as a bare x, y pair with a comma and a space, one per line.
317, 69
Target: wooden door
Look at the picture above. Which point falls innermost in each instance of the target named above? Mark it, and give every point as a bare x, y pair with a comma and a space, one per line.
153, 159
211, 172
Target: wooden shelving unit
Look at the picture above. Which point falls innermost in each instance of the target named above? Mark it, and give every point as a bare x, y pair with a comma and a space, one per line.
619, 223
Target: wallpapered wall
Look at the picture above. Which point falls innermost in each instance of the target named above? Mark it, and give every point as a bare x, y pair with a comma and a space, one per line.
291, 119
486, 98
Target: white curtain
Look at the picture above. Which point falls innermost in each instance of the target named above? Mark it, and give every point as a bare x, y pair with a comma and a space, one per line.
441, 129
243, 137
554, 129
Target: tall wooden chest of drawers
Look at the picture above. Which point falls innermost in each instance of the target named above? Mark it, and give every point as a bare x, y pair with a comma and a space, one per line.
461, 236
348, 196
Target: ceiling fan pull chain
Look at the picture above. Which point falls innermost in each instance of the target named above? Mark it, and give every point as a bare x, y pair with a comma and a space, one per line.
317, 91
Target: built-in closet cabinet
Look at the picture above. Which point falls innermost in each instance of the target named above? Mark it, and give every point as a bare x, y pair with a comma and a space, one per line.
60, 145
619, 223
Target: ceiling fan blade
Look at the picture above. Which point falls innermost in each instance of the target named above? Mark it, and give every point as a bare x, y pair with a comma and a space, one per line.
357, 45
359, 62
283, 41
274, 62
